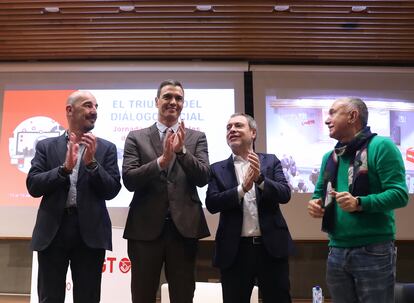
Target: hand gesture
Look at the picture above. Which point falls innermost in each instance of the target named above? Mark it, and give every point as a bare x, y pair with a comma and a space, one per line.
89, 140
315, 209
346, 201
253, 158
253, 171
179, 137
168, 153
71, 153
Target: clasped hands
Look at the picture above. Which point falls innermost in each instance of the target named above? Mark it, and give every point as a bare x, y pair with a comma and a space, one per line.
87, 139
253, 172
345, 200
173, 143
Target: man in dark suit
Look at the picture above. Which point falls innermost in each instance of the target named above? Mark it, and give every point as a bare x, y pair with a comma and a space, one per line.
74, 174
252, 241
165, 218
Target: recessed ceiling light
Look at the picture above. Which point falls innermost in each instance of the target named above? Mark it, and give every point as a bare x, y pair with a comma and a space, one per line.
51, 9
281, 8
359, 8
126, 8
204, 8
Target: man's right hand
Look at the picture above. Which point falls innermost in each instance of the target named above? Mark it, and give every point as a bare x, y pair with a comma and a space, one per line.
253, 172
168, 153
315, 209
71, 153
248, 180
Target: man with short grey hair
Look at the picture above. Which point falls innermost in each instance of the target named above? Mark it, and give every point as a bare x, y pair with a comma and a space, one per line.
360, 184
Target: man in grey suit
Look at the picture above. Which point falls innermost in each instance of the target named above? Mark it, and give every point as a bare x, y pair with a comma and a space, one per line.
162, 165
74, 174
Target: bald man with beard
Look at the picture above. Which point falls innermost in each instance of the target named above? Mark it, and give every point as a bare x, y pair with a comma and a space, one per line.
74, 174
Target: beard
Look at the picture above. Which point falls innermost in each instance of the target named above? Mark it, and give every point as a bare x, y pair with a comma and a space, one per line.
89, 126
87, 129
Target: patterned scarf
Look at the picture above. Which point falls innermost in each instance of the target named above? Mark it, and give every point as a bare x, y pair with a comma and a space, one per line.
358, 182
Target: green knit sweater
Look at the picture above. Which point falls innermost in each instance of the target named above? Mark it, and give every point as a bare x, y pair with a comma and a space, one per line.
375, 223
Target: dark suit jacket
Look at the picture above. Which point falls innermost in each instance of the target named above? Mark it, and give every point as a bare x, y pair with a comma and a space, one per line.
155, 192
93, 188
222, 197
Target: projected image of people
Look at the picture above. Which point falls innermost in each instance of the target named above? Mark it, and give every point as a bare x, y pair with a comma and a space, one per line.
296, 133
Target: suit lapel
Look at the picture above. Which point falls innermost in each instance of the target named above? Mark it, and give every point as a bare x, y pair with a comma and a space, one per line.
154, 136
228, 173
262, 160
61, 148
263, 168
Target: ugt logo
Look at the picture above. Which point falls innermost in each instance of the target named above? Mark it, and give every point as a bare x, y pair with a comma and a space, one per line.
124, 265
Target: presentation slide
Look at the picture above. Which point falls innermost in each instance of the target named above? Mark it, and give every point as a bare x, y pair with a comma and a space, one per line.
33, 115
297, 134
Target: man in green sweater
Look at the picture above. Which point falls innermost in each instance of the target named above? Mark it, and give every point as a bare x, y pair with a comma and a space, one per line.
362, 181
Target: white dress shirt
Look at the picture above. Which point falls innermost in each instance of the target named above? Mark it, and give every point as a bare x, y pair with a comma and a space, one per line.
251, 227
72, 194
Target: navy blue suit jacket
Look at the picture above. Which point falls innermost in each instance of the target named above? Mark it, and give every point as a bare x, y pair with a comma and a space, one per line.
93, 188
222, 197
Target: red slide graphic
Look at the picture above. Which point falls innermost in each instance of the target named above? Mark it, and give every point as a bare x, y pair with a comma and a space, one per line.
28, 117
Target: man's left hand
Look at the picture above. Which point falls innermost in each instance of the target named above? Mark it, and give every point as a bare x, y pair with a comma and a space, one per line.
179, 137
253, 158
346, 201
89, 140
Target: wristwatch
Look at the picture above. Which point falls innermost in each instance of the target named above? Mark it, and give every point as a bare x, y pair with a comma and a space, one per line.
260, 179
182, 152
63, 171
359, 206
92, 165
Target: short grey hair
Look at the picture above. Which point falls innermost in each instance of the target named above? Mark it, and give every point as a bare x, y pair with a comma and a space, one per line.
250, 120
358, 105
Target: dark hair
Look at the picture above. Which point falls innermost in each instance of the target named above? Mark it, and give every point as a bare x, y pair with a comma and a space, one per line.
250, 121
169, 82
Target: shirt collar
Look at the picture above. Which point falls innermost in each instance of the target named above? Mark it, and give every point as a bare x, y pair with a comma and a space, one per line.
238, 159
67, 136
162, 128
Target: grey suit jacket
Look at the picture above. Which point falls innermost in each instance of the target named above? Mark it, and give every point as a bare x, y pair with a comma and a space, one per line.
156, 192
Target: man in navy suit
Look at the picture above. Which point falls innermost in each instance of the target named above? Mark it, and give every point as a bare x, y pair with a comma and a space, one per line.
74, 174
252, 241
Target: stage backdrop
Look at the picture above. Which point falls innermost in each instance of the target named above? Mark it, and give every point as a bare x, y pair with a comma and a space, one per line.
116, 277
24, 123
